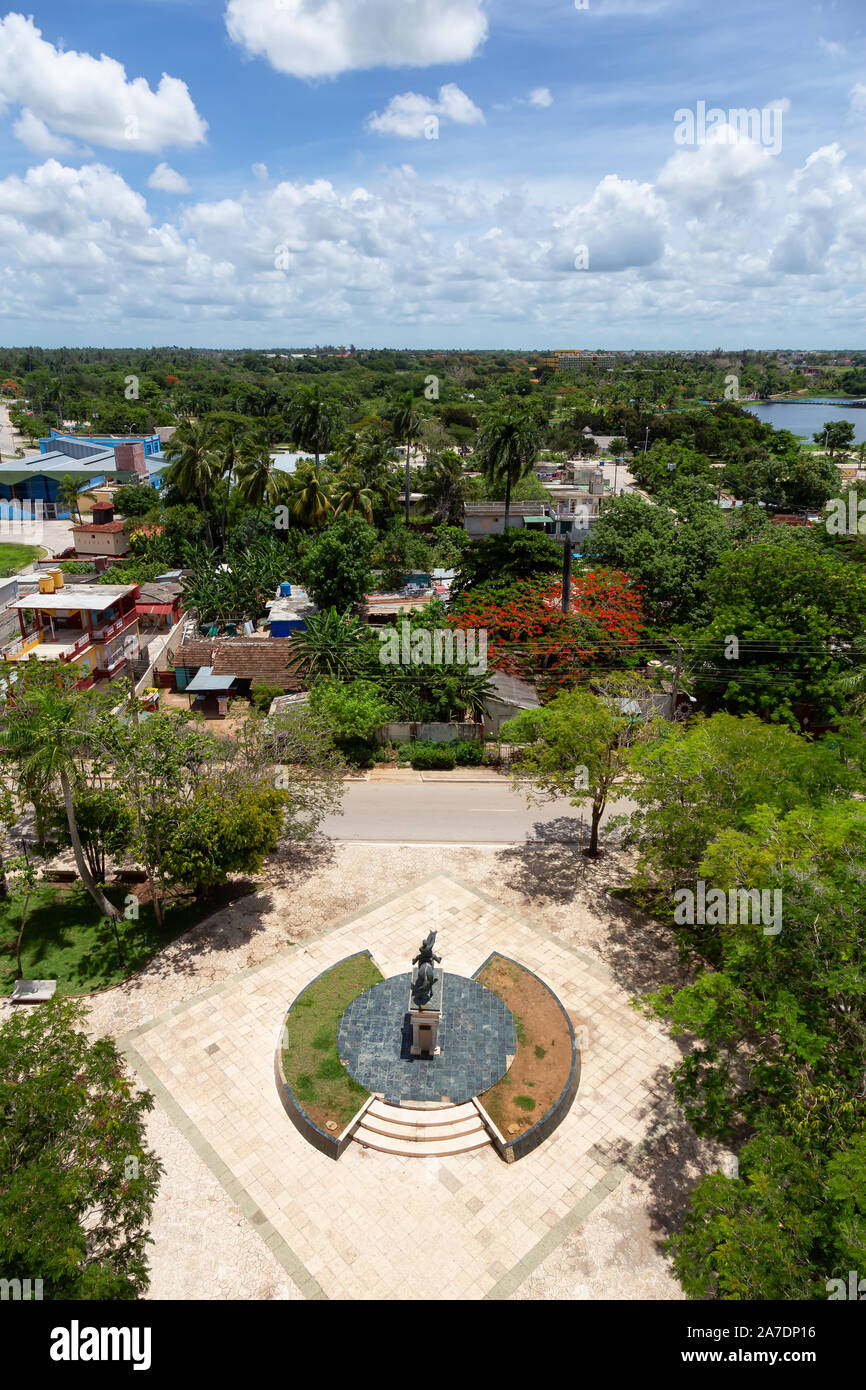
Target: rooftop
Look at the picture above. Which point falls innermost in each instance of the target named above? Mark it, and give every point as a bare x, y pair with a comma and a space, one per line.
93, 597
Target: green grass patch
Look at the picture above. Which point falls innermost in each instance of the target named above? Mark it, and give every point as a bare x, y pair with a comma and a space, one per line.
525, 1102
67, 940
311, 1062
540, 1052
13, 557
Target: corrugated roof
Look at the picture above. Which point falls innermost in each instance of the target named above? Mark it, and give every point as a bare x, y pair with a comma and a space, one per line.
268, 659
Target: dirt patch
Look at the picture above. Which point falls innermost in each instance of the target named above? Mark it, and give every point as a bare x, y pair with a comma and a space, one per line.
535, 1079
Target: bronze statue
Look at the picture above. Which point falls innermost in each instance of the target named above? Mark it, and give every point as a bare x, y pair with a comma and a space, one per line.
422, 987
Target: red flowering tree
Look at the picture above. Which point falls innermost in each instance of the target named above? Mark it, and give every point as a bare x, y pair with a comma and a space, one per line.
528, 634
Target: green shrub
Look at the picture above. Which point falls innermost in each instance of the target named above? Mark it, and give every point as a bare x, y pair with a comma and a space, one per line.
468, 752
356, 752
263, 695
427, 756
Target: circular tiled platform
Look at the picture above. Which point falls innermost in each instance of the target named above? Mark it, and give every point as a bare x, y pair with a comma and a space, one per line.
477, 1036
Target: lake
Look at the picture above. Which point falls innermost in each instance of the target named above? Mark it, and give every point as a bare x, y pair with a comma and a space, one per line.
807, 417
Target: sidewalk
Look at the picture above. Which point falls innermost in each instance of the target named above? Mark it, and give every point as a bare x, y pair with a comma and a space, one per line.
404, 775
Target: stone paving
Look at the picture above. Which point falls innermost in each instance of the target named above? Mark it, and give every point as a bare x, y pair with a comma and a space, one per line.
361, 1228
476, 1035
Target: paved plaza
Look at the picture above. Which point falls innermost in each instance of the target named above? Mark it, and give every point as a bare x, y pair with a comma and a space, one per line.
374, 1225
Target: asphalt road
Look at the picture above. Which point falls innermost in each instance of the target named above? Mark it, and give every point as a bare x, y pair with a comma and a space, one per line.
454, 813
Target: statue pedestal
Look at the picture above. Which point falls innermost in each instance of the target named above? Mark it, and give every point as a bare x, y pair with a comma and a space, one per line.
425, 1020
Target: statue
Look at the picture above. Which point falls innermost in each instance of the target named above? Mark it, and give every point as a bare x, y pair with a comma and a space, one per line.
422, 987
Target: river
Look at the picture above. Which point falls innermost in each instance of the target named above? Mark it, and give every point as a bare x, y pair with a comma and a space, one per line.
807, 417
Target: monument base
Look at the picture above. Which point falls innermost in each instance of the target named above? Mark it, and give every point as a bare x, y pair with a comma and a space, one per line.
425, 1032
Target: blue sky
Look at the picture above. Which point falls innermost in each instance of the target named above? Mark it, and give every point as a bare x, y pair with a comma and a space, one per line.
288, 182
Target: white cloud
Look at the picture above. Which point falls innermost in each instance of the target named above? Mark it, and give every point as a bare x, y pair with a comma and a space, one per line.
540, 97
260, 172
725, 236
858, 99
411, 115
321, 38
69, 93
37, 137
167, 180
831, 47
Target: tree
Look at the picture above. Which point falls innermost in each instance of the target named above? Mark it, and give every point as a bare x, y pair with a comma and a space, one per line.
514, 555
331, 645
404, 423
668, 551
355, 708
399, 551
68, 495
255, 472
507, 445
313, 421
195, 464
337, 565
579, 745
308, 492
836, 435
353, 495
44, 731
132, 500
792, 608
79, 1182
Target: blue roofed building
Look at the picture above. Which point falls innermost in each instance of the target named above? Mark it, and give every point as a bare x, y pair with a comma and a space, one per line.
93, 462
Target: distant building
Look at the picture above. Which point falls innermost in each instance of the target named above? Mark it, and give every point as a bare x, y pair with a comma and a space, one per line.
101, 535
90, 461
488, 518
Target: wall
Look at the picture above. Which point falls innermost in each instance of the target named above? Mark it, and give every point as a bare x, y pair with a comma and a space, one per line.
433, 733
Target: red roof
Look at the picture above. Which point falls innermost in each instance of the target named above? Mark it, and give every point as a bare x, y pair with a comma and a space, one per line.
112, 526
149, 610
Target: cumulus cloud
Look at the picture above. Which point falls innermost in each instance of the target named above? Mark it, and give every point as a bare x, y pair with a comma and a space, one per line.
322, 38
260, 172
69, 93
540, 97
167, 180
714, 238
832, 48
412, 116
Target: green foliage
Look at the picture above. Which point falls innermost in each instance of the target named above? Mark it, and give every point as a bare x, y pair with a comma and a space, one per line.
333, 645
263, 695
134, 500
337, 565
514, 555
355, 708
399, 552
74, 1211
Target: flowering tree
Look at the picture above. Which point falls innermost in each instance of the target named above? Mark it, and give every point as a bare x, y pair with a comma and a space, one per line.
529, 635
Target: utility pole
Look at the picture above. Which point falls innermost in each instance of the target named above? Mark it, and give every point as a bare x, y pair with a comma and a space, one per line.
675, 686
566, 572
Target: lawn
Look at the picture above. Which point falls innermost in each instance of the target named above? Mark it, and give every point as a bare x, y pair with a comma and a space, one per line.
311, 1062
66, 940
13, 557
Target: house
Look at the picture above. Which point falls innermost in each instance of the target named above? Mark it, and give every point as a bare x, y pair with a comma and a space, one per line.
488, 518
102, 535
211, 669
93, 627
158, 607
511, 695
288, 612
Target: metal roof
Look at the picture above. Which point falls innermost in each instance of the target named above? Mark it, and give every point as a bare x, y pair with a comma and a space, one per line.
92, 598
205, 680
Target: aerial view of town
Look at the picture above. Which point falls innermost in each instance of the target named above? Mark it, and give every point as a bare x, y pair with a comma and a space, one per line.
432, 673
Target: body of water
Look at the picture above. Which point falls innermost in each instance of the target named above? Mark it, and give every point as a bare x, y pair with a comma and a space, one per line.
807, 417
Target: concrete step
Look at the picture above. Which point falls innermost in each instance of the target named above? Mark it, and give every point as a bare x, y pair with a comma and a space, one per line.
421, 1148
408, 1116
421, 1132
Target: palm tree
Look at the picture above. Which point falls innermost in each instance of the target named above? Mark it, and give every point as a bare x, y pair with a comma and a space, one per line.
227, 448
506, 447
68, 495
332, 645
443, 487
42, 732
353, 495
257, 482
312, 421
404, 423
310, 494
195, 464
853, 683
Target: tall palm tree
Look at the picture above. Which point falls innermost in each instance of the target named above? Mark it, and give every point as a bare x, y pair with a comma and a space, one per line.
443, 487
195, 464
310, 493
228, 442
404, 422
312, 421
353, 495
506, 447
257, 482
